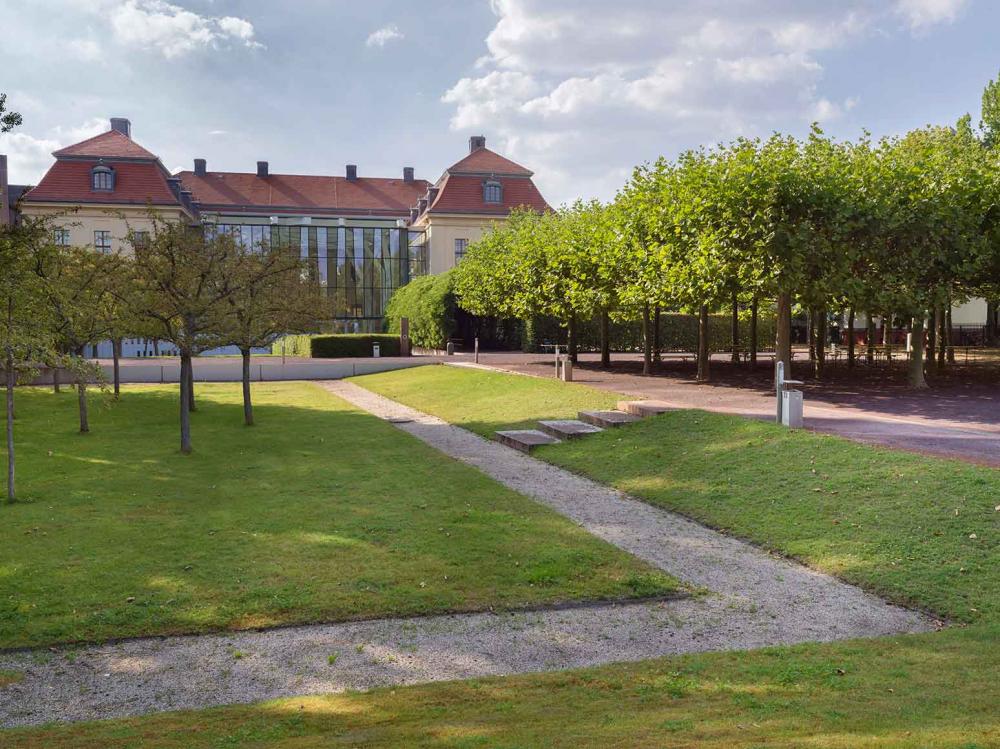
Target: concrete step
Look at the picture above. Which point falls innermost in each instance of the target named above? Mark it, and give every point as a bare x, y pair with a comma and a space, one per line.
645, 408
524, 440
568, 429
607, 419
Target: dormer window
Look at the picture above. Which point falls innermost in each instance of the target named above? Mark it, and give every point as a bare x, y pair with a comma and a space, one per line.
492, 191
102, 178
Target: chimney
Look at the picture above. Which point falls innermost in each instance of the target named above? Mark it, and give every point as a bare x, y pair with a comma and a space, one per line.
261, 168
200, 167
352, 172
122, 125
476, 142
4, 194
407, 174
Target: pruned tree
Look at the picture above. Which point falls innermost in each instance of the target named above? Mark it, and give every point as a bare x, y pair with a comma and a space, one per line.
8, 120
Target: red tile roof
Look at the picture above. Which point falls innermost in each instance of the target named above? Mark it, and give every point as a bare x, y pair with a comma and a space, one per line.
292, 192
111, 144
485, 161
136, 183
464, 194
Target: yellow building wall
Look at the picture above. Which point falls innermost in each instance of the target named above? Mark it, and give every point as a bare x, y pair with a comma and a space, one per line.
83, 221
442, 231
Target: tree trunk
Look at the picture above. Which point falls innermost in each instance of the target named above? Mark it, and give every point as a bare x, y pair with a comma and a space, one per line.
991, 322
247, 403
647, 343
753, 332
819, 341
190, 384
605, 340
949, 333
55, 378
811, 333
870, 338
932, 338
116, 354
736, 329
916, 377
571, 338
156, 347
850, 338
11, 380
656, 335
887, 329
942, 336
185, 383
783, 333
703, 344
81, 397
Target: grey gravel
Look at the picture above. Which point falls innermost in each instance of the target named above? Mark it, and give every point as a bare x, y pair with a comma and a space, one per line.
757, 599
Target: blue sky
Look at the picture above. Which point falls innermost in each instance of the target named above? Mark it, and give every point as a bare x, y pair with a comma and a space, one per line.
577, 90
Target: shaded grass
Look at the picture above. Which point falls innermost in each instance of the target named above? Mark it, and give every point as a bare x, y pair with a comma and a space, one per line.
483, 401
319, 513
918, 691
919, 530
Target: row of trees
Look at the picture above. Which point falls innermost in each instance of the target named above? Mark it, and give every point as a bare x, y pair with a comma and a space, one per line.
904, 226
180, 284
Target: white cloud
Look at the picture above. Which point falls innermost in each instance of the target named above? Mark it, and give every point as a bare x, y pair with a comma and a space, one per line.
86, 50
381, 37
174, 31
614, 84
921, 14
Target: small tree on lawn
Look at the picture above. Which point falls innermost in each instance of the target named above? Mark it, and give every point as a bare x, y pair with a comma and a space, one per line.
268, 292
178, 288
25, 337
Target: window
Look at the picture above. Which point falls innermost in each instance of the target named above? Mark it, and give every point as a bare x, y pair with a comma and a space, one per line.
102, 178
140, 238
461, 245
102, 242
60, 237
492, 192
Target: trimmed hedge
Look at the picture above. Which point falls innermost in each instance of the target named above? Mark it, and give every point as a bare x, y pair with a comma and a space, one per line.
336, 346
429, 303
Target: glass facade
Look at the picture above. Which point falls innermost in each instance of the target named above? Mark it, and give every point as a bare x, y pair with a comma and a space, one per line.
359, 267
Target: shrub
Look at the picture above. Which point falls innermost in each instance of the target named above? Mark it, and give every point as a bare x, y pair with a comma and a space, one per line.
341, 345
429, 304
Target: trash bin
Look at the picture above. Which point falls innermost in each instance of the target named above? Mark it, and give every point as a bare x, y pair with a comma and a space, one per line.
450, 348
376, 350
791, 408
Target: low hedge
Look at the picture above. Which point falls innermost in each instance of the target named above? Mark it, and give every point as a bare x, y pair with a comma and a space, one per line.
337, 346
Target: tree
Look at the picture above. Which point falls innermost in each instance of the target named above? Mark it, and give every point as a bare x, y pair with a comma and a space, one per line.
79, 288
8, 120
178, 289
25, 339
269, 292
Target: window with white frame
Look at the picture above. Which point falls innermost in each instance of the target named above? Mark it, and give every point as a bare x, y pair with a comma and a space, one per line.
461, 245
102, 241
102, 178
60, 237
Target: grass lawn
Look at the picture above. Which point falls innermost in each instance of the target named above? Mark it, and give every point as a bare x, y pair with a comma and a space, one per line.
922, 531
320, 513
483, 401
914, 692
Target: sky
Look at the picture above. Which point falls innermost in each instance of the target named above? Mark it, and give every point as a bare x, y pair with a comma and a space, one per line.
579, 91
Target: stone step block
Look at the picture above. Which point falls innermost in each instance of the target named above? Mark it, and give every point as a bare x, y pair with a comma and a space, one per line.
644, 409
568, 429
607, 419
525, 440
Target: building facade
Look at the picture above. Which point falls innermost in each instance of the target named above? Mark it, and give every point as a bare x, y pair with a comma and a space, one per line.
365, 236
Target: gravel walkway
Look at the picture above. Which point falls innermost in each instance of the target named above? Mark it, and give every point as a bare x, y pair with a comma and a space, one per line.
757, 600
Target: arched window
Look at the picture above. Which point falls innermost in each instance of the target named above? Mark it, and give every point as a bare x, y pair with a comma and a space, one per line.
492, 192
102, 178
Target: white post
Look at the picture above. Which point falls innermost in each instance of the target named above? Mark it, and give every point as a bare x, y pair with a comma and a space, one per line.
779, 385
477, 349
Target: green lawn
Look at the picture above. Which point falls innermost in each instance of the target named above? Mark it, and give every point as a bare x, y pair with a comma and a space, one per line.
320, 513
921, 531
483, 401
925, 692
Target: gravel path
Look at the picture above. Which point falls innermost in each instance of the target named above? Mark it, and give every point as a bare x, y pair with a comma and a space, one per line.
756, 600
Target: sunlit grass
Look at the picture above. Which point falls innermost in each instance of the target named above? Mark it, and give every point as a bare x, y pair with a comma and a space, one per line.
321, 512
